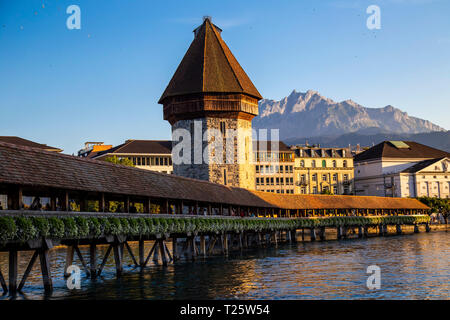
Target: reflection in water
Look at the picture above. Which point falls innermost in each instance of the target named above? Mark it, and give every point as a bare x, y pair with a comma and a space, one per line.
412, 267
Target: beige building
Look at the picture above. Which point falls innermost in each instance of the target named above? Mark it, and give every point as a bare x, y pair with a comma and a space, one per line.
320, 170
402, 169
155, 155
274, 167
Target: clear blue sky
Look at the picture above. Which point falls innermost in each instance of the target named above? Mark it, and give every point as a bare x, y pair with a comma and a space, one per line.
64, 87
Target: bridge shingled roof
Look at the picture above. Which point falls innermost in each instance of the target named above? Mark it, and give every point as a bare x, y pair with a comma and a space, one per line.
34, 167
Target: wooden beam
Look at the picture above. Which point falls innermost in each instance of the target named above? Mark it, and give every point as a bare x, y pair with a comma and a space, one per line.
150, 254
13, 272
141, 253
53, 202
3, 283
162, 252
202, 245
131, 254
28, 270
101, 203
45, 270
65, 202
105, 258
69, 260
117, 259
175, 248
168, 252
147, 205
127, 204
93, 260
77, 250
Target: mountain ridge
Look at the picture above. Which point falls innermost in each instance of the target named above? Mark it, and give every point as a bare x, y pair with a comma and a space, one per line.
310, 114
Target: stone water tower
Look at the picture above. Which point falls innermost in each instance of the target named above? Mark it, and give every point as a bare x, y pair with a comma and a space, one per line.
210, 90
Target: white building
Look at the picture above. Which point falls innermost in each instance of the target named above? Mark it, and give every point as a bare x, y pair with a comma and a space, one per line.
402, 169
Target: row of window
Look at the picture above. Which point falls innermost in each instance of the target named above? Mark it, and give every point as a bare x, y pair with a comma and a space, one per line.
324, 164
273, 156
325, 177
315, 190
274, 181
269, 169
288, 191
151, 161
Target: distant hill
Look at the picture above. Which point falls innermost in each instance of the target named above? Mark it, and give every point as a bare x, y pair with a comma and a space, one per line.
439, 140
309, 114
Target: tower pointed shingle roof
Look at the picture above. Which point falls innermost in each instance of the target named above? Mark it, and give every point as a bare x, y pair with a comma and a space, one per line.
209, 67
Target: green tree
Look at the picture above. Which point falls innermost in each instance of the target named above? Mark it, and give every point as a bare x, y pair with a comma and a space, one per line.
122, 161
441, 205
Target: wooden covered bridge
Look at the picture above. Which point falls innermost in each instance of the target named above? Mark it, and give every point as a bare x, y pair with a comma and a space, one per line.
50, 199
67, 183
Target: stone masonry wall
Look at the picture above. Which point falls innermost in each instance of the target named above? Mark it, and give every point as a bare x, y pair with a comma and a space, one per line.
236, 164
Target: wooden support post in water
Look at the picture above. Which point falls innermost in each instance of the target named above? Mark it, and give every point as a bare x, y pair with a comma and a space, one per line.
225, 243
45, 270
141, 253
339, 232
398, 228
322, 233
203, 245
212, 242
117, 259
366, 231
12, 272
416, 228
427, 227
313, 234
69, 259
175, 248
360, 232
293, 236
93, 260
156, 253
303, 234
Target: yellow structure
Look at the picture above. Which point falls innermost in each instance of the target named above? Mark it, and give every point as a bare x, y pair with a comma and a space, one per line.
323, 170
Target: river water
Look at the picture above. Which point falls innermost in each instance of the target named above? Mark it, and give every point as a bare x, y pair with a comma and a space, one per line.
413, 266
